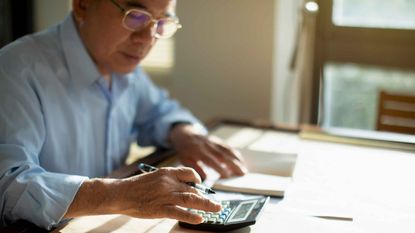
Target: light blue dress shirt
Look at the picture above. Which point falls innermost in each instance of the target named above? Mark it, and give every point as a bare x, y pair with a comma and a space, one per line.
60, 124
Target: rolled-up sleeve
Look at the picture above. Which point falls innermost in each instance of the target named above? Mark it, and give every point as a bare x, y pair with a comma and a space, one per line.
156, 112
27, 191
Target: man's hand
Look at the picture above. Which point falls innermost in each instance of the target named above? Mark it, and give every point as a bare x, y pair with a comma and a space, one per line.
159, 194
193, 149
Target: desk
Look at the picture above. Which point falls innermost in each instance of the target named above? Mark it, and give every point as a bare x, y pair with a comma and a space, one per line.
332, 183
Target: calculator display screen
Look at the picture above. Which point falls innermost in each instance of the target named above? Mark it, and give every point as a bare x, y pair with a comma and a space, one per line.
242, 211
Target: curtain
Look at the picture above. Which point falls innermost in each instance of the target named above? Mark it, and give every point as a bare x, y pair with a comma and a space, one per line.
16, 19
5, 23
297, 89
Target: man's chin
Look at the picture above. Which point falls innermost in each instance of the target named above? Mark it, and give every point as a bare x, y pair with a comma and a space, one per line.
126, 69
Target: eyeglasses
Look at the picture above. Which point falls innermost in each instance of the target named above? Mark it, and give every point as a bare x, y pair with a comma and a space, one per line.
136, 20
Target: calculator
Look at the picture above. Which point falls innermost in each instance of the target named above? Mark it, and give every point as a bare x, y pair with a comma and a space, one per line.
234, 214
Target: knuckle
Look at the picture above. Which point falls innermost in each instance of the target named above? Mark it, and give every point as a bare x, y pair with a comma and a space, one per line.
163, 171
206, 202
187, 198
185, 170
189, 173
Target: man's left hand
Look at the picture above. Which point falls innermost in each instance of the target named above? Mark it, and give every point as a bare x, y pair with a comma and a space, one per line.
193, 149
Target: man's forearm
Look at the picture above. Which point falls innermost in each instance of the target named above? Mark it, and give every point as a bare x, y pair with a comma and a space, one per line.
95, 196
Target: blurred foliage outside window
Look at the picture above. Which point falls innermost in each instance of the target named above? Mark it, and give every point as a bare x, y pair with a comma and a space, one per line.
374, 13
351, 93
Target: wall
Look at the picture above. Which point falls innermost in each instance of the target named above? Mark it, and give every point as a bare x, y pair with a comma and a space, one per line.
50, 12
224, 58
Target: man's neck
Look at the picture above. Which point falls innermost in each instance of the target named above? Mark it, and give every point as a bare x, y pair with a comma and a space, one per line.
108, 79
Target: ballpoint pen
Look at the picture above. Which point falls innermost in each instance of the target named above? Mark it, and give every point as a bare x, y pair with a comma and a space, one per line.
148, 168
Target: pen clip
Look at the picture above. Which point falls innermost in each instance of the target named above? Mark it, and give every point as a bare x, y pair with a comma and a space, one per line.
144, 168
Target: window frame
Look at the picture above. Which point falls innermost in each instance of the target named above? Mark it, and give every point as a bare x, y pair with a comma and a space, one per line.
384, 47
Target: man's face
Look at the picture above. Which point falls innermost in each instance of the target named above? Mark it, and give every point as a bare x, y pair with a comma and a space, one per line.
113, 47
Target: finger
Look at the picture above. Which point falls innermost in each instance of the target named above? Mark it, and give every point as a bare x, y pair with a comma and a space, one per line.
186, 174
216, 164
224, 150
185, 188
237, 155
196, 201
231, 158
234, 160
195, 165
236, 167
183, 215
226, 160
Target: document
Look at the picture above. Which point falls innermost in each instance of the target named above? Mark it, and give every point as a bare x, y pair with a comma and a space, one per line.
269, 174
255, 183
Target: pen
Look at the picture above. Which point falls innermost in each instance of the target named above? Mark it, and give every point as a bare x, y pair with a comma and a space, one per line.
148, 168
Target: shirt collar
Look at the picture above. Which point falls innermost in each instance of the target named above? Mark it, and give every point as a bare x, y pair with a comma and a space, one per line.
82, 69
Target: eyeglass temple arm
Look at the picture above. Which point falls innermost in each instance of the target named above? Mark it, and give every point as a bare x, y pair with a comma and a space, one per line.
118, 5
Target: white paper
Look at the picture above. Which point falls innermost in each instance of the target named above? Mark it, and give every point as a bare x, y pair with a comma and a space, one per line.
255, 183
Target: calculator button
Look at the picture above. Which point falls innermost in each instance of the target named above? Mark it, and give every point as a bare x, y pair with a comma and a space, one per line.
212, 220
215, 215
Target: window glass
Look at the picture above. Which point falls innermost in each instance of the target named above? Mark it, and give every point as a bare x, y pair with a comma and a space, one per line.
374, 13
351, 93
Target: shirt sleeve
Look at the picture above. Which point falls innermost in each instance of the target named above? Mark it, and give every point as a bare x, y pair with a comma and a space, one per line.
156, 112
27, 191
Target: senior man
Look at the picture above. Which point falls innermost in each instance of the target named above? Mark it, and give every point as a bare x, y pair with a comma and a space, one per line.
73, 98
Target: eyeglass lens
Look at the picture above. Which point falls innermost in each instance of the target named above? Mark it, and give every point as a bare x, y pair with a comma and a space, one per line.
136, 21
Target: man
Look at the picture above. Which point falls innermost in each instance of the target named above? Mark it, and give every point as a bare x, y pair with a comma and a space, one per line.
73, 98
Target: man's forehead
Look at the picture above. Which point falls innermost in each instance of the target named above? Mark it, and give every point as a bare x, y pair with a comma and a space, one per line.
156, 7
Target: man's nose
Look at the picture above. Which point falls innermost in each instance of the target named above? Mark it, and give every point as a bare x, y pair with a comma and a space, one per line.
147, 34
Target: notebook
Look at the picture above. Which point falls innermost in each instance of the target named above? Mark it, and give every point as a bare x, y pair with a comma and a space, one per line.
270, 174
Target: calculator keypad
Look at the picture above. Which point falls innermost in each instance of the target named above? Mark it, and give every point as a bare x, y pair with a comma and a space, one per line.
234, 214
215, 218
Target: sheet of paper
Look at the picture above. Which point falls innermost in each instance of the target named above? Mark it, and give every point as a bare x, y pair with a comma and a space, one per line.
255, 183
310, 200
237, 136
269, 174
287, 222
271, 163
277, 142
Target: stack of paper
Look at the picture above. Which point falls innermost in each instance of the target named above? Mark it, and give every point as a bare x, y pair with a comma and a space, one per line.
269, 174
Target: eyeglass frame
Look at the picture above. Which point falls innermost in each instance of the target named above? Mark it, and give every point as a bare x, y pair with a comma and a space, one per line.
174, 19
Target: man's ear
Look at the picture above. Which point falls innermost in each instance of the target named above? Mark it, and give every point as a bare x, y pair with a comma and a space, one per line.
80, 8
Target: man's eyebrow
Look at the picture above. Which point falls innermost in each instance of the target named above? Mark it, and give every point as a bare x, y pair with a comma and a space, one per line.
134, 4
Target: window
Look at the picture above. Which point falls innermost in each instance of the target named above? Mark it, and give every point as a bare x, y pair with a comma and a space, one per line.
362, 46
374, 13
351, 92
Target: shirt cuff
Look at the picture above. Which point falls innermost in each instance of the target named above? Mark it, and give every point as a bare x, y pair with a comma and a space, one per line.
46, 200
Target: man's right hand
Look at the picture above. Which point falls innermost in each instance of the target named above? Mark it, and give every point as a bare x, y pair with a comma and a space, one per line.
159, 194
